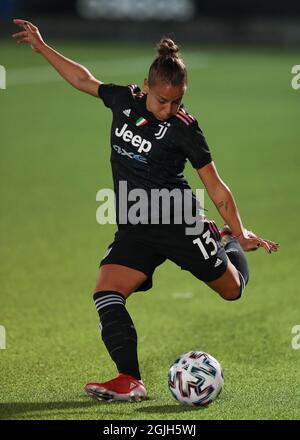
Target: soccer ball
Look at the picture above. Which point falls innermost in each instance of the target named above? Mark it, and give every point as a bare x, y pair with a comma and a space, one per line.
195, 378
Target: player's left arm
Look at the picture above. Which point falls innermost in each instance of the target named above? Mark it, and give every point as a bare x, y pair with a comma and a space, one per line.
224, 201
76, 74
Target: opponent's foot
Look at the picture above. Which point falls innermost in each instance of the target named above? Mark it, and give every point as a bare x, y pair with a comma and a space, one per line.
123, 387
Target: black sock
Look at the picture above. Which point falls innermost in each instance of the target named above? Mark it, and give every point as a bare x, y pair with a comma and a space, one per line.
118, 332
237, 257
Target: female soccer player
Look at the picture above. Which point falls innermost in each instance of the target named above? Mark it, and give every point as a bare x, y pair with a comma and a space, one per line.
152, 136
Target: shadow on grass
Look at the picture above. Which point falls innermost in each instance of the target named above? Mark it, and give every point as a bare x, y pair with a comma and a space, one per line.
11, 410
15, 410
169, 409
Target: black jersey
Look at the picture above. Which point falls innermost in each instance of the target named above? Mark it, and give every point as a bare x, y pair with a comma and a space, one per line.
148, 153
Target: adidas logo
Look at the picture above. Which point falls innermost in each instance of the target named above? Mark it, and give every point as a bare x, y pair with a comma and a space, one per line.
218, 262
127, 112
132, 385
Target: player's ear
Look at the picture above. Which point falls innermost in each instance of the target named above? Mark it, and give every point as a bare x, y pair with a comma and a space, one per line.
146, 85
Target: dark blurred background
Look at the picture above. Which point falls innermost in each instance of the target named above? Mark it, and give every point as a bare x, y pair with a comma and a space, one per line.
236, 22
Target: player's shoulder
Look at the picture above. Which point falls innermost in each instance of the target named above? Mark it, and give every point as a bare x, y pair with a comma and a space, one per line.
185, 121
136, 92
112, 94
132, 91
184, 117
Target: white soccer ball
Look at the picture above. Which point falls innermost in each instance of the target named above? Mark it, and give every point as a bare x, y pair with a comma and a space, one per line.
195, 378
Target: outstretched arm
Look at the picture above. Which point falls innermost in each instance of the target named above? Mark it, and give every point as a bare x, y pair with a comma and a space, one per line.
222, 197
76, 74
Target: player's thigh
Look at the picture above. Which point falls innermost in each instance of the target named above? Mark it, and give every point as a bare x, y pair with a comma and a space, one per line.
118, 278
202, 254
228, 284
130, 265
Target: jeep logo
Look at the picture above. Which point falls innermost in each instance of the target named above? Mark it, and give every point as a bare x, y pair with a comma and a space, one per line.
136, 141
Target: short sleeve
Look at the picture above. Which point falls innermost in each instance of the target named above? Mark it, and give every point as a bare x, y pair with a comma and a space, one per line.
112, 94
195, 147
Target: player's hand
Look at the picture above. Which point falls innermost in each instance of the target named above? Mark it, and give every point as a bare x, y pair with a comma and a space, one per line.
250, 242
30, 35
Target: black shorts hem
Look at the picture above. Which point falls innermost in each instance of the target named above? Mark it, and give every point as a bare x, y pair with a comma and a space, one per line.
217, 275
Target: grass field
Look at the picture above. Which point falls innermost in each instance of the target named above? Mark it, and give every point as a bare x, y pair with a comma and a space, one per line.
55, 157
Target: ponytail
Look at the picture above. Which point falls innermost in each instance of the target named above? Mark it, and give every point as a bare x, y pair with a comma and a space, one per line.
168, 65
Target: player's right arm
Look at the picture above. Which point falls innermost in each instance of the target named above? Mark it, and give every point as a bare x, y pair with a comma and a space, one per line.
76, 74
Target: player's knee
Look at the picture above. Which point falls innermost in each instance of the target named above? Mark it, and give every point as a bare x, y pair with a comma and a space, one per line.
123, 290
234, 289
232, 294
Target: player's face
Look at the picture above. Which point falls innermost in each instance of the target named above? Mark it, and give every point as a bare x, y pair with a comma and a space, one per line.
163, 99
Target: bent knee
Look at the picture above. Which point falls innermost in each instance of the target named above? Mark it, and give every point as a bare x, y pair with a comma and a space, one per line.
123, 290
232, 292
232, 295
236, 290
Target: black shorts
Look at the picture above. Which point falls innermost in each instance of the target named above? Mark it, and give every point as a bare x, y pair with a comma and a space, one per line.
202, 255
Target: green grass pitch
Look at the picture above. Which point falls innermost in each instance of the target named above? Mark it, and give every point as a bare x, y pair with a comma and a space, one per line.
54, 157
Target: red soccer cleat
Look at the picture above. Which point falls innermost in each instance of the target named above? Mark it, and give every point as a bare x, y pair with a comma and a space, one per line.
226, 235
123, 387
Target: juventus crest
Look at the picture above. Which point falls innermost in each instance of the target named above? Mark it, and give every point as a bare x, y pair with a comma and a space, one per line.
162, 130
